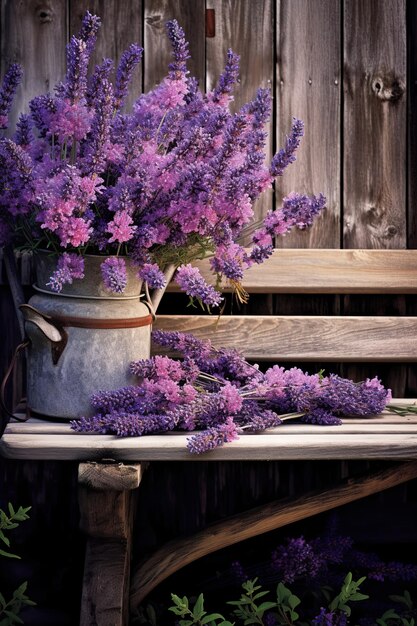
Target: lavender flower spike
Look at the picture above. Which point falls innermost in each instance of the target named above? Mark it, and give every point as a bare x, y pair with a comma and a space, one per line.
130, 58
77, 61
286, 155
89, 29
229, 77
179, 49
113, 271
190, 280
11, 81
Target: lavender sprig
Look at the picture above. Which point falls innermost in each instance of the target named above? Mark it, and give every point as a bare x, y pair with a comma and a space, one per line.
11, 81
216, 394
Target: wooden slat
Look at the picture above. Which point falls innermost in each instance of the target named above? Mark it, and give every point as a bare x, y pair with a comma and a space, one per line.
33, 34
330, 271
304, 338
375, 108
309, 87
383, 436
325, 446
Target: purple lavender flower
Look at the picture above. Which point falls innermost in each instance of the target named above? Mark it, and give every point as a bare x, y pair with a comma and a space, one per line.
95, 146
330, 618
286, 155
190, 280
296, 559
75, 84
101, 72
212, 438
152, 275
228, 79
113, 271
10, 83
89, 28
179, 49
130, 58
23, 135
69, 267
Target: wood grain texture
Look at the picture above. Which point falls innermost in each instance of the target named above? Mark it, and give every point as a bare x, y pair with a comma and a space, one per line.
375, 124
191, 16
382, 437
247, 28
178, 553
318, 271
116, 477
34, 34
304, 338
121, 25
308, 87
105, 591
412, 123
106, 517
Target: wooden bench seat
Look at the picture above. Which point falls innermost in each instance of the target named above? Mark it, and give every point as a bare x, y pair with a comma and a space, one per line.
385, 436
110, 468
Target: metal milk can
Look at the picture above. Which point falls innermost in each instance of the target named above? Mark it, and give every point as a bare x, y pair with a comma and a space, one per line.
81, 340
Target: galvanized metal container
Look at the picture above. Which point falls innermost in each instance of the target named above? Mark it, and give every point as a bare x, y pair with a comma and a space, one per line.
82, 340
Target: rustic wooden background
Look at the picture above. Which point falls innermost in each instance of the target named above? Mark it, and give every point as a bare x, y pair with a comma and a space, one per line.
348, 69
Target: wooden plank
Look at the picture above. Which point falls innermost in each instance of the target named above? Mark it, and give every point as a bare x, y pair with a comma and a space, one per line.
375, 124
191, 16
180, 552
121, 26
412, 124
304, 338
321, 446
329, 271
309, 87
33, 34
248, 29
386, 423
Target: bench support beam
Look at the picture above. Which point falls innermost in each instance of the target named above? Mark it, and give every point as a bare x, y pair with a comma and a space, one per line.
178, 553
107, 494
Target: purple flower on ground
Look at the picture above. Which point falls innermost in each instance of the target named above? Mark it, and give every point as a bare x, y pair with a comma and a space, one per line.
113, 271
330, 618
296, 559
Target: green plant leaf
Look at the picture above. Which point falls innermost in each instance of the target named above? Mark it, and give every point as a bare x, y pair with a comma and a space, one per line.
210, 618
9, 554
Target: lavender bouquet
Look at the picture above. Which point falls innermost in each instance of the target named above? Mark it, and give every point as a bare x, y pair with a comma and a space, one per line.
219, 394
172, 180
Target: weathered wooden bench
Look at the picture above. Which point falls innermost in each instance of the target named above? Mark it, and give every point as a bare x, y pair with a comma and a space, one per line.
110, 469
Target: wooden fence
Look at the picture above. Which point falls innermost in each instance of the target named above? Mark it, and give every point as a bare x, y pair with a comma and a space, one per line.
348, 69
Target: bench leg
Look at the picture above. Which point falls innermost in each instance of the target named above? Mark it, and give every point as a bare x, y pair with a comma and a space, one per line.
106, 495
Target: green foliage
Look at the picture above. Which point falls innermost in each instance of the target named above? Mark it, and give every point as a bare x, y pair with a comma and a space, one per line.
246, 608
393, 618
348, 593
252, 607
197, 615
10, 609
